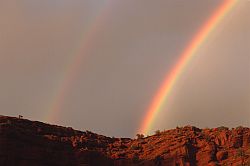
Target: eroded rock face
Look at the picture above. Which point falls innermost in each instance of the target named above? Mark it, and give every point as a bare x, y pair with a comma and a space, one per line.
26, 143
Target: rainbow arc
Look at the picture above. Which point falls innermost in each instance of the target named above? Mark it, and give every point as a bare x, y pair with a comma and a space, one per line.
199, 38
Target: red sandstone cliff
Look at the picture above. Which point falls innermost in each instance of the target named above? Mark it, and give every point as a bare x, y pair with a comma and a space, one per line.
32, 143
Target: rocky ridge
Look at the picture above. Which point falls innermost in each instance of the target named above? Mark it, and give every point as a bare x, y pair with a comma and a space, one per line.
24, 142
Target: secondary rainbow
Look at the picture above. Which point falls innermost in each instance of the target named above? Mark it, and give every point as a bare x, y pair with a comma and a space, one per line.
165, 89
70, 71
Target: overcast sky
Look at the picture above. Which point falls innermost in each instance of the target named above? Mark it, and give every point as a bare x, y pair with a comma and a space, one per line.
123, 49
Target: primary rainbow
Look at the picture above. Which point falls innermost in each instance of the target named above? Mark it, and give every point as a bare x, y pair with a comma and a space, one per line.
165, 89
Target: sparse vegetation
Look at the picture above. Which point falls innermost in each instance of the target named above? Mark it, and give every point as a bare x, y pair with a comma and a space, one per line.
240, 152
136, 158
139, 136
221, 128
157, 160
157, 132
189, 144
239, 127
134, 147
207, 138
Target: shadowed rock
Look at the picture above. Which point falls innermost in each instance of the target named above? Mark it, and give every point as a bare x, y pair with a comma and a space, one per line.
28, 143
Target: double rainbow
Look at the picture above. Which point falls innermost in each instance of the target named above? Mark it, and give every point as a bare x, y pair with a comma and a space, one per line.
164, 91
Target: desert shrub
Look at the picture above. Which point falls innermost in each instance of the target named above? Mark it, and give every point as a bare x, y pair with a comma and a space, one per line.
157, 160
240, 153
140, 136
134, 147
207, 138
239, 127
221, 128
136, 158
157, 132
179, 134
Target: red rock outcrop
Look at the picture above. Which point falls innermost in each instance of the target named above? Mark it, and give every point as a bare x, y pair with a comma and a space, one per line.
32, 143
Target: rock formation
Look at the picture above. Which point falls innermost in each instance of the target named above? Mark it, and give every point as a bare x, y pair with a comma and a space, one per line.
31, 143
